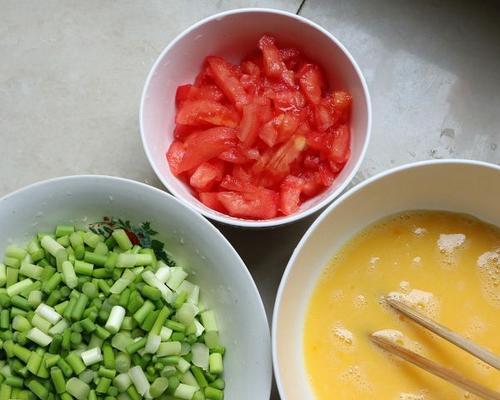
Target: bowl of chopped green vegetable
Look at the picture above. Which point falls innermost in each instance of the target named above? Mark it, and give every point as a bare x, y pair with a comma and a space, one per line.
110, 288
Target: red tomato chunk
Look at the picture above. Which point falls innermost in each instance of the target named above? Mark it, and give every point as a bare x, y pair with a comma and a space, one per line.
258, 139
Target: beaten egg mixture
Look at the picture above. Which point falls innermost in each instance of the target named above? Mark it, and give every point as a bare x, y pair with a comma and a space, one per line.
446, 266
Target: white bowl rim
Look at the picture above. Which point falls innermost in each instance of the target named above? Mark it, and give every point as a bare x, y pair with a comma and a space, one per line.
211, 227
319, 220
247, 223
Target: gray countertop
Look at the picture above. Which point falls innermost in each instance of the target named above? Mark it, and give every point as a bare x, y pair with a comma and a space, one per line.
71, 75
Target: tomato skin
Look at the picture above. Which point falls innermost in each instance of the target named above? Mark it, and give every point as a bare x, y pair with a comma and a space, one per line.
261, 204
175, 154
202, 112
205, 145
228, 82
211, 200
290, 191
311, 83
205, 176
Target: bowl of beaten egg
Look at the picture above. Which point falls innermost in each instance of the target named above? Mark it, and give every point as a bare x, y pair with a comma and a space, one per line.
428, 234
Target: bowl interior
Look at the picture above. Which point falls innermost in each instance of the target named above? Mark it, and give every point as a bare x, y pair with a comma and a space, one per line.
226, 285
466, 187
233, 35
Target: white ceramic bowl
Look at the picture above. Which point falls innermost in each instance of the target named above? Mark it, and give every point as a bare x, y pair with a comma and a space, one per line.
233, 34
225, 282
470, 187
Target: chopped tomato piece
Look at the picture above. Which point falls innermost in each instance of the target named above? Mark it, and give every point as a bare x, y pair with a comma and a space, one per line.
291, 57
191, 92
183, 131
249, 125
315, 140
312, 184
311, 162
256, 139
324, 119
210, 92
227, 80
205, 145
211, 200
279, 164
200, 112
290, 190
332, 110
274, 67
340, 105
269, 133
175, 154
240, 173
265, 108
182, 94
337, 144
237, 184
234, 156
252, 154
205, 77
288, 100
311, 82
261, 163
206, 175
261, 204
325, 174
251, 68
288, 125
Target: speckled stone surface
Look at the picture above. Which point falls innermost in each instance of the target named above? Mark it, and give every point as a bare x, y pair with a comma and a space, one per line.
71, 75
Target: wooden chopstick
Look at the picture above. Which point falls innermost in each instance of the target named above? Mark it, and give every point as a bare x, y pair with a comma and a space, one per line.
436, 369
453, 337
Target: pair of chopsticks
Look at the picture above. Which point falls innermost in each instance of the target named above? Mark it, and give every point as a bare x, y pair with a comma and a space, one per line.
432, 367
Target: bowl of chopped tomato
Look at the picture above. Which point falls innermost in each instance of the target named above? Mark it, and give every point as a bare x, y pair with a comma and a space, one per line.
255, 117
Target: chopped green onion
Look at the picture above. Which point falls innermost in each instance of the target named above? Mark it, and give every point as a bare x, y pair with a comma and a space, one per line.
77, 388
48, 313
139, 380
152, 344
91, 356
185, 392
91, 316
122, 239
18, 287
115, 319
37, 336
69, 274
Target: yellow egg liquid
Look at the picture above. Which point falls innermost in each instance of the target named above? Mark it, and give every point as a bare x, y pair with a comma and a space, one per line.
445, 265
